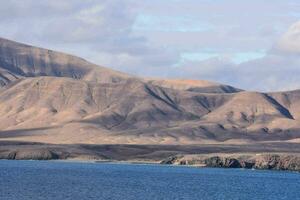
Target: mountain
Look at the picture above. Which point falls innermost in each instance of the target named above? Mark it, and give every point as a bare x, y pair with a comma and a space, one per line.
200, 86
21, 61
52, 97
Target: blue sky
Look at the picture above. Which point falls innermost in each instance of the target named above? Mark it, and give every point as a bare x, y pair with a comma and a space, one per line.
253, 45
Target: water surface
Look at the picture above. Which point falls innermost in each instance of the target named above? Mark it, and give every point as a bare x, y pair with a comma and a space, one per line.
61, 180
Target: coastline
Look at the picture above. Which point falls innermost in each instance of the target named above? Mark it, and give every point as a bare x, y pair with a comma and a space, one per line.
264, 161
278, 162
272, 156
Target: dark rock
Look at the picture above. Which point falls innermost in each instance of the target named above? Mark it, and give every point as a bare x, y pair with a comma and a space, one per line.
34, 154
268, 162
184, 162
217, 161
214, 161
232, 163
11, 155
247, 164
169, 161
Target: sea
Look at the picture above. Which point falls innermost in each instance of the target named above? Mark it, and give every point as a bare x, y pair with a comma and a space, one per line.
56, 180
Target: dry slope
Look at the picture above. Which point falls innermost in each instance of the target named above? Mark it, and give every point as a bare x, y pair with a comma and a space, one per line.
47, 96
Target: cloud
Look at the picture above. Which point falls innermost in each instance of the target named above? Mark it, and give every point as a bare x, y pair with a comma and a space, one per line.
68, 21
11, 10
235, 42
290, 41
276, 69
165, 23
279, 68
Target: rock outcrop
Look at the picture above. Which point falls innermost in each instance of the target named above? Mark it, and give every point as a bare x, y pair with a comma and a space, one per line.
257, 161
30, 154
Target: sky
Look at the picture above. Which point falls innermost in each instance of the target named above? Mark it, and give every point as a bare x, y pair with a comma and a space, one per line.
251, 44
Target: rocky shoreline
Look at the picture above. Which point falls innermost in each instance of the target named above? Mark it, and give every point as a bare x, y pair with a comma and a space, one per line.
256, 161
278, 156
247, 161
37, 154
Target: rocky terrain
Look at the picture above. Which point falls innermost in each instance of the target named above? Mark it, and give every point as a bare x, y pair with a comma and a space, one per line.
275, 156
63, 102
264, 161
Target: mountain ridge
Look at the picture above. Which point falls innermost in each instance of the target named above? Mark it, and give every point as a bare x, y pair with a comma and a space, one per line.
59, 98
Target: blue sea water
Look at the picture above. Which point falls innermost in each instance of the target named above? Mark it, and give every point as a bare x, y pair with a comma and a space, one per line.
64, 180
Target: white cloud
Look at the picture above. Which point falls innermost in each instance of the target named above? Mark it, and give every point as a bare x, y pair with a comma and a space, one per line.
166, 23
290, 41
92, 15
226, 41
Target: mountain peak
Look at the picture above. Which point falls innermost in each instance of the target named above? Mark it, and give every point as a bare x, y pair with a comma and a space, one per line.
21, 60
56, 97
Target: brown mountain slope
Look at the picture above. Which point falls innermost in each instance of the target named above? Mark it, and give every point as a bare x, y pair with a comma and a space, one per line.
130, 104
200, 86
21, 60
6, 77
290, 100
52, 97
254, 111
135, 112
125, 108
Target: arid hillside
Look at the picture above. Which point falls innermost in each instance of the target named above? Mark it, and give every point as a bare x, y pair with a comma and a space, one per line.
52, 97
